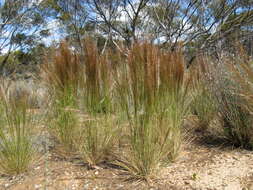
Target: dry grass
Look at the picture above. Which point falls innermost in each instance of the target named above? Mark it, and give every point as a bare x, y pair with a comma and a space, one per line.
97, 81
99, 133
204, 105
153, 95
230, 84
17, 124
130, 108
242, 74
64, 70
63, 75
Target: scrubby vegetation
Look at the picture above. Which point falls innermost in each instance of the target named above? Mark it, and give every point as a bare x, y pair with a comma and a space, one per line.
145, 98
128, 85
17, 124
128, 109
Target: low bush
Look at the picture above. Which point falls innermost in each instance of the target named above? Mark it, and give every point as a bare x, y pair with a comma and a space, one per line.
234, 104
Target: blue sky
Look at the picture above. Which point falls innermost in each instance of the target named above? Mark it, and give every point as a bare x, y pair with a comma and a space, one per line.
52, 25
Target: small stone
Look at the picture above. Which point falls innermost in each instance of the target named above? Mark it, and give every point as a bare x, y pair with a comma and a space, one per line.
186, 182
37, 186
6, 185
86, 186
66, 173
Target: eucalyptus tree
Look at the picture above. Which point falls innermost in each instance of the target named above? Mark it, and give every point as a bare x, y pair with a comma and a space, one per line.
22, 26
72, 19
121, 19
198, 24
192, 24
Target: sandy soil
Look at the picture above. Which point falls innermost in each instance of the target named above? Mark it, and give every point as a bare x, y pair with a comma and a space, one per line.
200, 166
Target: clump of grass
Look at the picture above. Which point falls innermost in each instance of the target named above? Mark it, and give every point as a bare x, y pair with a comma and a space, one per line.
153, 94
63, 76
97, 80
64, 70
64, 124
236, 120
240, 129
82, 87
174, 93
233, 100
204, 105
98, 139
17, 122
100, 131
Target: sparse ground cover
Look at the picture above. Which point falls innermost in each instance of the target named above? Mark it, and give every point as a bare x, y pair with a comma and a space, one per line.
199, 166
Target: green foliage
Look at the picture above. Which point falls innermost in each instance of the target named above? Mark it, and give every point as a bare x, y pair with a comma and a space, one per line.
236, 119
204, 106
100, 129
21, 23
16, 149
63, 76
20, 61
64, 123
72, 16
233, 105
12, 61
97, 81
241, 19
154, 110
98, 139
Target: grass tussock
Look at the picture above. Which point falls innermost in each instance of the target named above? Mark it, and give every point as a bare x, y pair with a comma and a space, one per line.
17, 123
98, 139
97, 83
203, 105
153, 95
131, 107
82, 86
100, 130
230, 88
63, 76
237, 112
